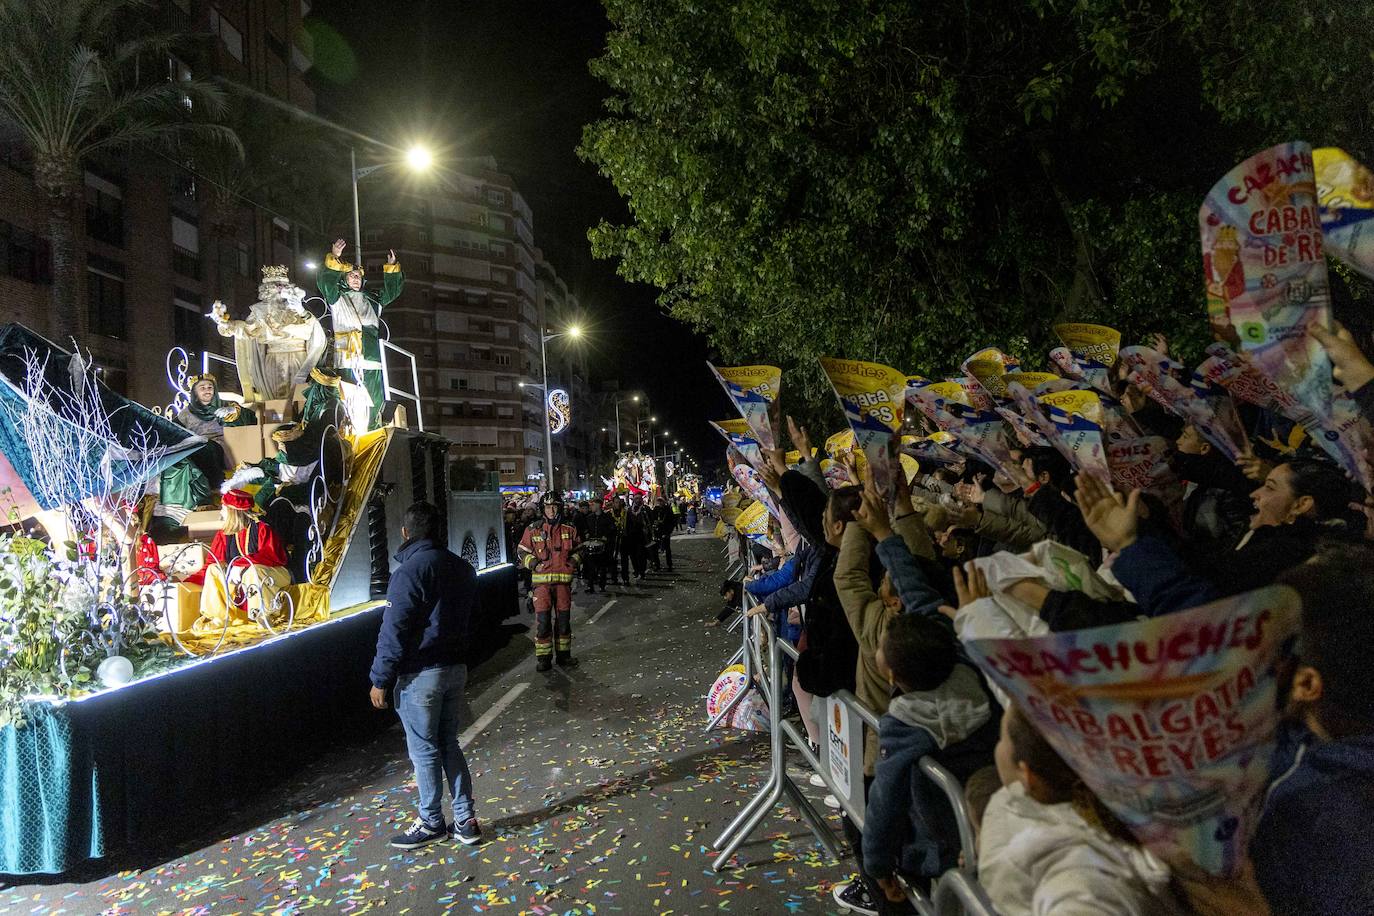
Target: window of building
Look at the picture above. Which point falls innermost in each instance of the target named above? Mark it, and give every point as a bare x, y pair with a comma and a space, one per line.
231, 37
245, 263
372, 235
188, 325
23, 255
495, 197
104, 210
503, 359
105, 296
458, 383
508, 467
505, 412
185, 247
179, 72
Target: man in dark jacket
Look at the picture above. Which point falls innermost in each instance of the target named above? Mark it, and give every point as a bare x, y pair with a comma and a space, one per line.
421, 656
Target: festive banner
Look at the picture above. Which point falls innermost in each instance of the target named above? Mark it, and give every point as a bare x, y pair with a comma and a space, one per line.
1077, 421
933, 450
872, 397
752, 522
838, 447
987, 367
737, 433
750, 481
1170, 721
1345, 202
1266, 273
753, 389
1088, 371
1208, 407
1094, 342
1143, 464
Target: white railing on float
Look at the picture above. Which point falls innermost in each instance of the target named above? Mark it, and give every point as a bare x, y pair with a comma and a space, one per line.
413, 396
761, 652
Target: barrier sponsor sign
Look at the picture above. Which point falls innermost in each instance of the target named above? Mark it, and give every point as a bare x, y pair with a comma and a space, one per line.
845, 750
1170, 720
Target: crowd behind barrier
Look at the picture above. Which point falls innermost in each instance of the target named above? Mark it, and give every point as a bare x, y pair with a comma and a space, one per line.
1058, 692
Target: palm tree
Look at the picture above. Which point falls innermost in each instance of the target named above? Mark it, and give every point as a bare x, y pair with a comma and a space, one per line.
79, 78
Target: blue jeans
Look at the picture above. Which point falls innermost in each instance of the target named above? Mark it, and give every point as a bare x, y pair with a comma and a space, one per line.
430, 704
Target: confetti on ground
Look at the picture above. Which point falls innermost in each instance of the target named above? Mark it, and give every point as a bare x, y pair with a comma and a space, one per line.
598, 793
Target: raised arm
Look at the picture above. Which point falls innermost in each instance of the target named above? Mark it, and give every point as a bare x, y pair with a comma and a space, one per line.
330, 277
393, 280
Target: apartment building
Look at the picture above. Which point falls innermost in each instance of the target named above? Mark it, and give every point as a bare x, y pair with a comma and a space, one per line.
150, 263
478, 293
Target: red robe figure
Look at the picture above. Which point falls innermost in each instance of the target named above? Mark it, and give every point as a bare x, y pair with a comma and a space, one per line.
548, 549
246, 557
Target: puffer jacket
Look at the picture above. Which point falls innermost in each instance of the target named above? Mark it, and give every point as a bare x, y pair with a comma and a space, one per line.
1043, 859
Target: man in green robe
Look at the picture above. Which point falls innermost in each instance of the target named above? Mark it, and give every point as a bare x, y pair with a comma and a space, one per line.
356, 315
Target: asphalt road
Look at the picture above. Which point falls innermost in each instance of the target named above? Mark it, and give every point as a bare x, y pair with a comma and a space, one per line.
597, 790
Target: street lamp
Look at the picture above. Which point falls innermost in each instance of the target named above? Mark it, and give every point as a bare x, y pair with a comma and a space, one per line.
544, 337
417, 158
639, 434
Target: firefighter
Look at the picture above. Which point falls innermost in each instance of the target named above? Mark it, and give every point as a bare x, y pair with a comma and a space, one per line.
549, 550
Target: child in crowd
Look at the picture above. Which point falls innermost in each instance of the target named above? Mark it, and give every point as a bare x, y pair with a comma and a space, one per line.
1312, 850
940, 708
1048, 845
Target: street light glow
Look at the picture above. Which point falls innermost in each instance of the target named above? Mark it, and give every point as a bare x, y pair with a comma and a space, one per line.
574, 331
419, 159
635, 398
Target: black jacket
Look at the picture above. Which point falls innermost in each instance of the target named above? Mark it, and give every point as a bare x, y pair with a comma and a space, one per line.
429, 603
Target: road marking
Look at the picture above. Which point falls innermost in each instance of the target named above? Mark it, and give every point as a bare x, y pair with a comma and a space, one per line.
490, 715
604, 608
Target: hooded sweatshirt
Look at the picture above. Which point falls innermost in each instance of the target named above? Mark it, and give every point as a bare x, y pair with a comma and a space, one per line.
1311, 850
909, 825
1039, 859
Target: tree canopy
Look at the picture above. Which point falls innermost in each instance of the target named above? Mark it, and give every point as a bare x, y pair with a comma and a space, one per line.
905, 182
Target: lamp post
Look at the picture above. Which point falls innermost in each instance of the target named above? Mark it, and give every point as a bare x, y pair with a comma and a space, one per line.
544, 338
620, 442
639, 434
417, 157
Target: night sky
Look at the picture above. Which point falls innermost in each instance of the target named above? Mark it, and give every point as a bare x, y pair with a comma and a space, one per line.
509, 78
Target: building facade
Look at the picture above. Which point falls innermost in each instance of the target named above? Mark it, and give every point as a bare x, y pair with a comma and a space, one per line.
478, 295
150, 263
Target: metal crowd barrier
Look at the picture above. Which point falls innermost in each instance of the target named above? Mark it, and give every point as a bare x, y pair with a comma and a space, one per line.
761, 652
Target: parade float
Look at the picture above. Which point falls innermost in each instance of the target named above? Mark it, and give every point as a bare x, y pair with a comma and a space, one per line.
155, 666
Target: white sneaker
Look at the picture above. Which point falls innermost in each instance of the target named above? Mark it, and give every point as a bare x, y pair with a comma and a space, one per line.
831, 802
817, 781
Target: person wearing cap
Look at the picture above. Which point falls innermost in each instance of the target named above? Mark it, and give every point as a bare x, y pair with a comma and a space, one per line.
357, 322
246, 558
549, 550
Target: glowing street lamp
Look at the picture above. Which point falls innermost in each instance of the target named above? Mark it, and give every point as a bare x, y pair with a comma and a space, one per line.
417, 158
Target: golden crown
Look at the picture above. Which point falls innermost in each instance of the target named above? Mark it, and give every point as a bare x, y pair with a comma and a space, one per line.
274, 274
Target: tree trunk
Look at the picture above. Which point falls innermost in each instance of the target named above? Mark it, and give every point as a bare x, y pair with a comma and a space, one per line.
65, 315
